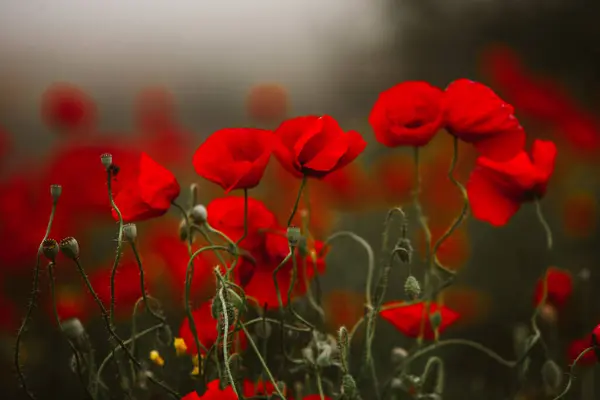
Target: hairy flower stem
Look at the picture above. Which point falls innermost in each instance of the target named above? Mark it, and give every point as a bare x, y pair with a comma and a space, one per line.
31, 305
262, 361
119, 246
59, 324
113, 334
297, 202
225, 342
245, 218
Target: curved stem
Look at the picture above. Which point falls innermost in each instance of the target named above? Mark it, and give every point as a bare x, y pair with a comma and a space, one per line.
545, 225
187, 225
295, 209
58, 322
188, 284
113, 334
570, 381
31, 305
275, 271
119, 246
245, 217
320, 386
150, 310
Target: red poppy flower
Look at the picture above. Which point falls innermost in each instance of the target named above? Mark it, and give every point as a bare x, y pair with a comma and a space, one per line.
576, 347
206, 327
408, 319
595, 341
315, 146
267, 102
497, 189
67, 107
475, 114
559, 286
213, 392
260, 388
145, 191
261, 286
580, 214
71, 303
234, 158
226, 214
408, 114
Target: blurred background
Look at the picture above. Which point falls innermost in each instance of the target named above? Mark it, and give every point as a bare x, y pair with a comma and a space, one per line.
78, 79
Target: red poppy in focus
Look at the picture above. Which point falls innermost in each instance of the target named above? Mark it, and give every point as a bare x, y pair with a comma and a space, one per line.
475, 114
261, 286
497, 189
576, 347
315, 146
409, 318
267, 102
145, 191
206, 327
66, 107
226, 214
234, 158
213, 392
559, 286
408, 114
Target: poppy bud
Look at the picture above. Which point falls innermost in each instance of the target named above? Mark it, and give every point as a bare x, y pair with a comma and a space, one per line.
398, 355
293, 236
349, 386
55, 192
199, 214
130, 232
412, 287
183, 230
72, 328
70, 247
217, 311
263, 329
396, 384
106, 160
436, 320
50, 249
552, 376
404, 250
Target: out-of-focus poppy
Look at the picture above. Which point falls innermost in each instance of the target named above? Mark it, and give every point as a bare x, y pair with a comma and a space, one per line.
68, 108
395, 178
454, 251
213, 392
559, 286
267, 102
576, 347
471, 304
343, 308
580, 214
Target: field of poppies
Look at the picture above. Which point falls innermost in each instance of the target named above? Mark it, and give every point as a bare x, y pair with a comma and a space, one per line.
296, 258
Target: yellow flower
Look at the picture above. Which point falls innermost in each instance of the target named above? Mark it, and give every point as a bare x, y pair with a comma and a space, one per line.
180, 346
156, 358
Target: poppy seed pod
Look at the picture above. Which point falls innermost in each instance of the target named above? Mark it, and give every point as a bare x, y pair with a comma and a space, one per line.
130, 232
293, 235
184, 231
50, 249
412, 288
263, 329
349, 388
106, 160
70, 247
72, 328
199, 214
55, 192
398, 355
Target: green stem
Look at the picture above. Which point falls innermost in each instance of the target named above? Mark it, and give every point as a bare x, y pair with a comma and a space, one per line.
295, 209
150, 310
320, 385
31, 305
58, 322
285, 260
225, 342
545, 225
187, 224
262, 361
245, 217
119, 246
571, 367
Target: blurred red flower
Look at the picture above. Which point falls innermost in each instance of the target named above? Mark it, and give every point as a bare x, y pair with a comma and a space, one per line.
395, 178
234, 158
576, 347
559, 286
267, 102
144, 191
497, 189
8, 314
67, 108
580, 214
408, 114
213, 392
475, 114
315, 146
409, 318
260, 388
127, 285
